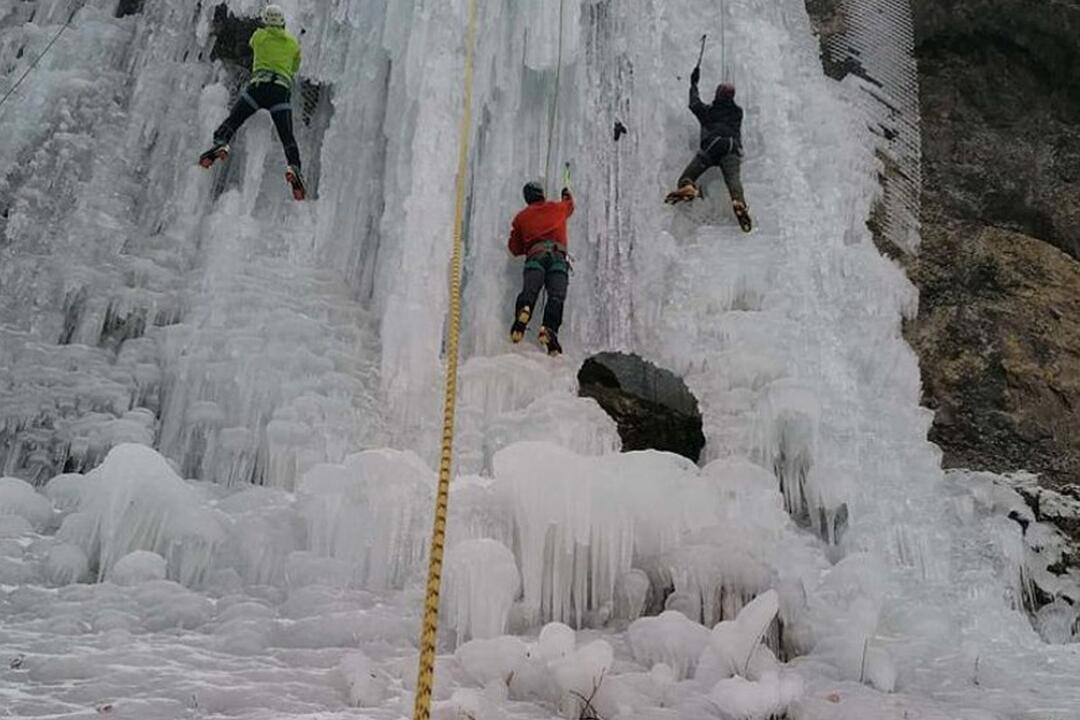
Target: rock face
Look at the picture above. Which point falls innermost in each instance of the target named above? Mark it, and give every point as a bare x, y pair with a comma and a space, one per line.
998, 335
652, 408
1001, 115
998, 330
998, 272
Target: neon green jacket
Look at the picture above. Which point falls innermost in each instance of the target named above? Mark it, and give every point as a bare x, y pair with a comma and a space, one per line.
277, 51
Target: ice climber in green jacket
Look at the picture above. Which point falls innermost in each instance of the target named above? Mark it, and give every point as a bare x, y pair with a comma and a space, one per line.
277, 59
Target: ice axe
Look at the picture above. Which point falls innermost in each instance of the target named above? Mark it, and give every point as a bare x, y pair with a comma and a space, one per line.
702, 53
566, 175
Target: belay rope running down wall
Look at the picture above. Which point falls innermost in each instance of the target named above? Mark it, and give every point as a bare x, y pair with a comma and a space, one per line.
34, 64
553, 114
428, 635
425, 678
552, 117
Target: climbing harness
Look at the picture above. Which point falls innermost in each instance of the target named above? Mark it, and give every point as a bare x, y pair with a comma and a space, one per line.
425, 676
269, 76
555, 99
44, 52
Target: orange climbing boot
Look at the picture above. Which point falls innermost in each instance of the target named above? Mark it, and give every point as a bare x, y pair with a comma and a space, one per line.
687, 191
742, 214
220, 151
549, 339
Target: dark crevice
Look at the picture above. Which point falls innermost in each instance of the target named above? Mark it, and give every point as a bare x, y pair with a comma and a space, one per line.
651, 406
117, 328
129, 7
231, 35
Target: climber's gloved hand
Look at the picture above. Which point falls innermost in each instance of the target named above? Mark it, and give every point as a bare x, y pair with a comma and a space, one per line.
695, 76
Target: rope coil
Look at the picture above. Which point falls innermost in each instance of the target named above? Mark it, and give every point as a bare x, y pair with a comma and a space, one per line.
425, 678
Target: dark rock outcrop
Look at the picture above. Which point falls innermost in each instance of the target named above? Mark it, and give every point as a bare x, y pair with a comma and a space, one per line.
651, 406
1001, 115
231, 35
998, 331
998, 335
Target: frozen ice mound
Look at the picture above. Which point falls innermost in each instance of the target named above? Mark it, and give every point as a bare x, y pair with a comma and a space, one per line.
844, 620
370, 513
752, 545
365, 683
733, 644
494, 659
138, 567
580, 522
740, 675
65, 492
553, 670
135, 501
264, 530
66, 564
511, 398
769, 697
580, 674
669, 638
271, 339
19, 499
480, 585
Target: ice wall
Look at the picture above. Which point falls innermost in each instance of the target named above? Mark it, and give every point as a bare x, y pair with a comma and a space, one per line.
253, 340
132, 280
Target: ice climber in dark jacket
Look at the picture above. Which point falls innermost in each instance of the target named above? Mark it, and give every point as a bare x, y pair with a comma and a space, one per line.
721, 146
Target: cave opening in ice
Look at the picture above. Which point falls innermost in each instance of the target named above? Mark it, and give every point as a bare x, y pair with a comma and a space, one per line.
653, 408
129, 7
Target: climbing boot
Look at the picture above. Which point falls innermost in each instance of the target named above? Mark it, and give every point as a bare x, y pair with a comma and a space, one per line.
517, 330
742, 214
549, 339
687, 191
220, 151
296, 181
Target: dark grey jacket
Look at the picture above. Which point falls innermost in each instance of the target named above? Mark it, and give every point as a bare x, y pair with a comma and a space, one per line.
721, 119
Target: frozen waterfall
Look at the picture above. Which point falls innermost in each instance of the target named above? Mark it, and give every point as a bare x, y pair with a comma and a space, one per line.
219, 408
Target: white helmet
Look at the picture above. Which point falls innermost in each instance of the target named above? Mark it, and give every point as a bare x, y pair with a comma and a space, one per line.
273, 16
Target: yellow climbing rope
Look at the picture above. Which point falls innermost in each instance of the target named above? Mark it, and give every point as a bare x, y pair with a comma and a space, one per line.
425, 677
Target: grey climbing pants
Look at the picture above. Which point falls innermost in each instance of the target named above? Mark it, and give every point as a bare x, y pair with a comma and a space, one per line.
721, 152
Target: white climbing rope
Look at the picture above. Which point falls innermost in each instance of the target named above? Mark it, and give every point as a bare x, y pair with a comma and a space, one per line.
554, 102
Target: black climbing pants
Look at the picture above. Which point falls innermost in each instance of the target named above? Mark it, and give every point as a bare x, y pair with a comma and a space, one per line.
549, 271
269, 96
722, 152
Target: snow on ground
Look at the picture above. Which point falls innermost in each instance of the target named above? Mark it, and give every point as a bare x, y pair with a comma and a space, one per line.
266, 560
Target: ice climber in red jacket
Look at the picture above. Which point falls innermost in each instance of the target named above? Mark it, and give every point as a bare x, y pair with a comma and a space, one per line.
539, 233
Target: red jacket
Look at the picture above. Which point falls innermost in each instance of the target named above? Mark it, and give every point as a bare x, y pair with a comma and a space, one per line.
540, 221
